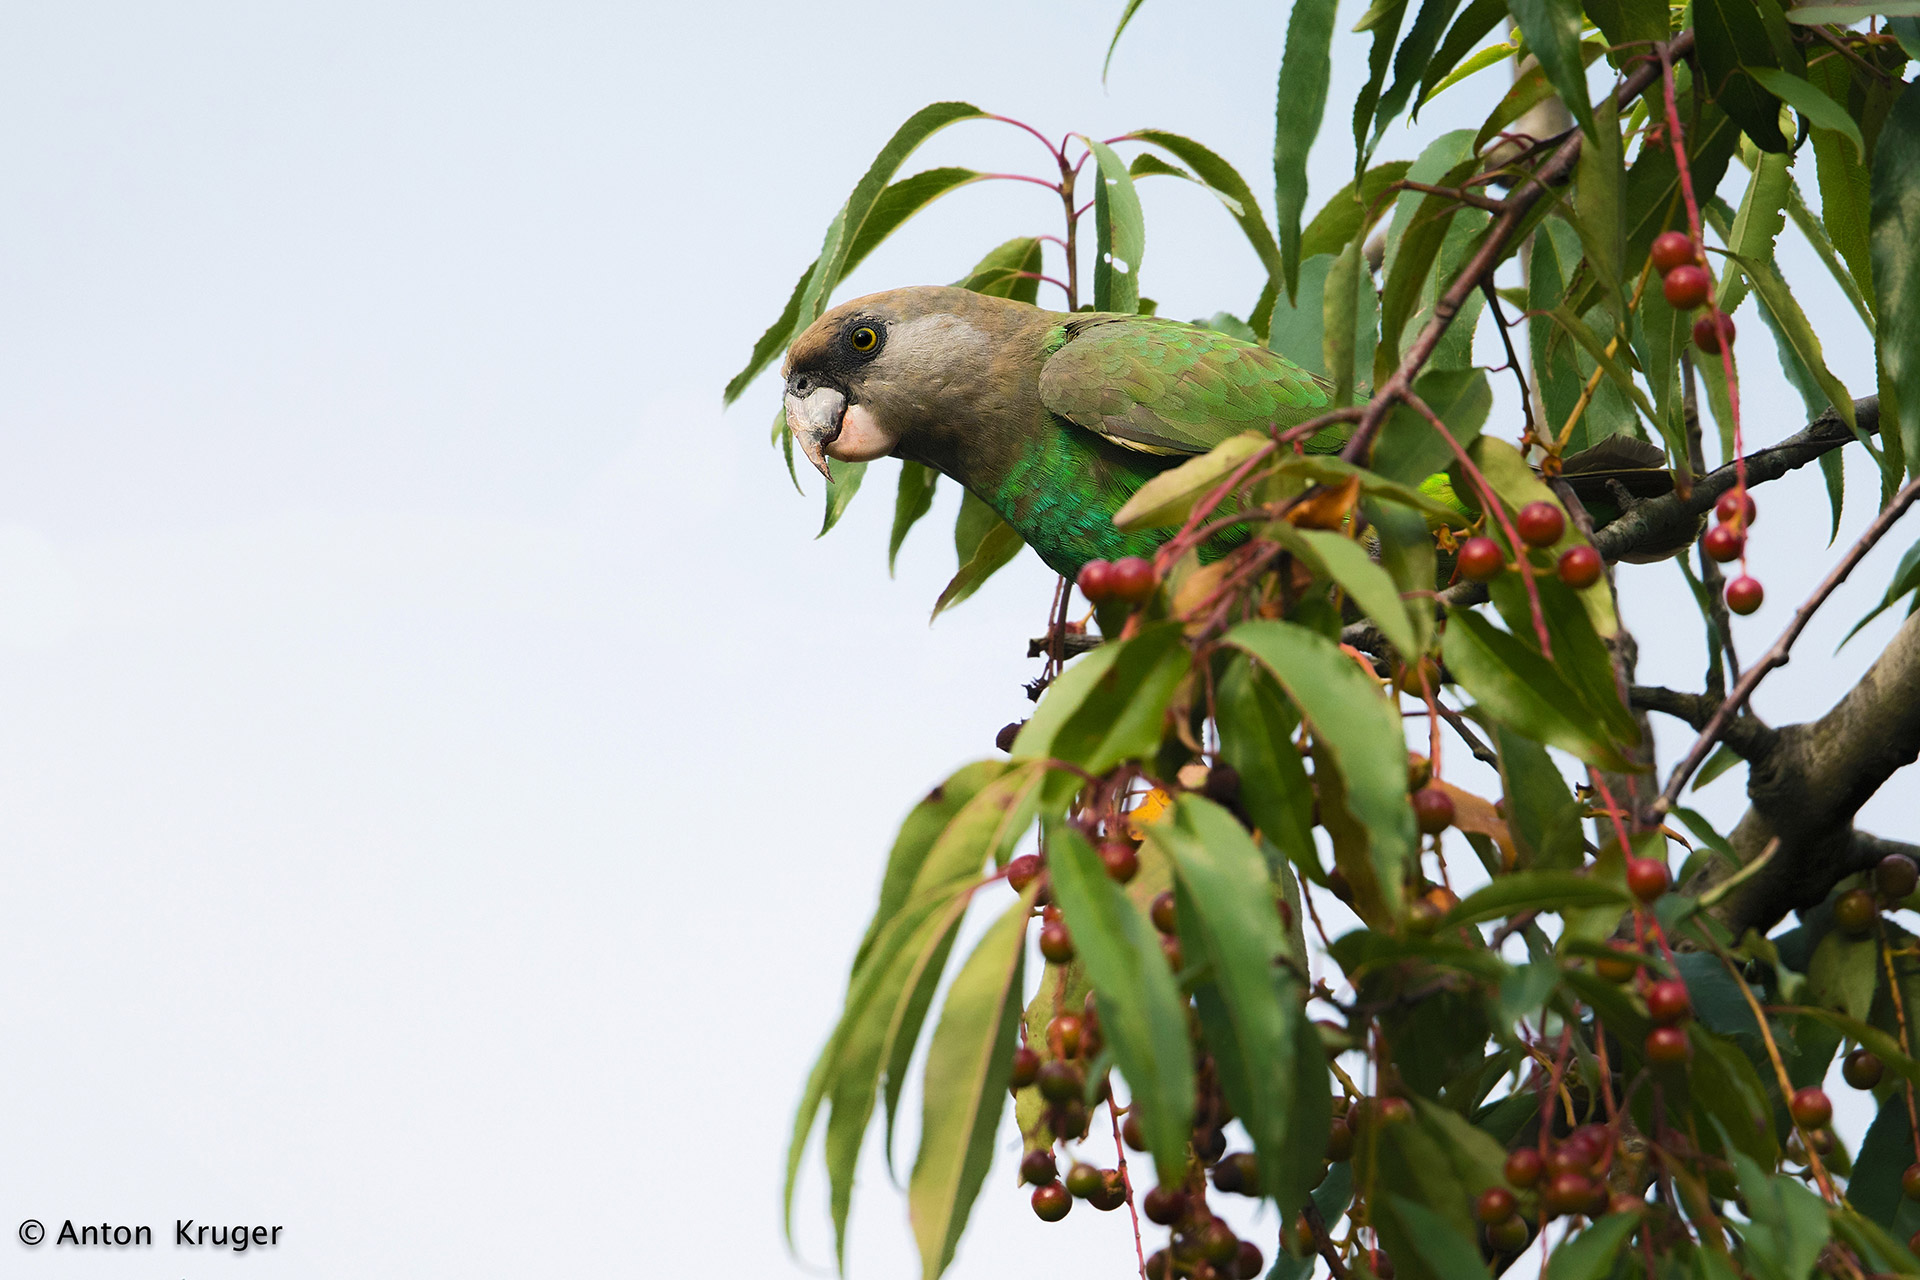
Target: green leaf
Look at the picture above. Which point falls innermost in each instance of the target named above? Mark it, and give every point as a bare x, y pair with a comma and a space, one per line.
1142, 1013
1630, 21
1407, 554
984, 542
898, 203
1414, 239
1578, 652
1522, 690
1885, 1152
1845, 15
1225, 182
1297, 326
921, 834
1120, 234
1820, 110
1223, 880
1359, 729
1133, 7
1410, 61
1339, 319
1552, 32
1520, 891
1165, 500
844, 483
1516, 484
913, 500
1300, 103
849, 230
1722, 759
1731, 39
1590, 1255
1256, 737
1896, 260
1408, 449
1906, 579
1441, 1247
1367, 584
1009, 270
1472, 26
1383, 19
1350, 214
1787, 1225
1843, 973
968, 1065
1542, 815
1111, 705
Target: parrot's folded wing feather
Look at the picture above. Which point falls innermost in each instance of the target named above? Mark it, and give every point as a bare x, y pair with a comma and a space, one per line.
1161, 386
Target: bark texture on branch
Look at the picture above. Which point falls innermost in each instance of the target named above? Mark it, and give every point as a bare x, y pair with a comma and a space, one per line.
1808, 786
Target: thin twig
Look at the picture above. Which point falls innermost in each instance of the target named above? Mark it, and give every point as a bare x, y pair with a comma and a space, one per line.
1778, 654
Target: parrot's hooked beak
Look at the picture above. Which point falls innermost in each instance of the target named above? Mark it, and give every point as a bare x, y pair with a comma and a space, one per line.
816, 419
826, 426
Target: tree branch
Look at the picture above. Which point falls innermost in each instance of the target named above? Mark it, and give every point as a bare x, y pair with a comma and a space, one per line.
1674, 520
1745, 734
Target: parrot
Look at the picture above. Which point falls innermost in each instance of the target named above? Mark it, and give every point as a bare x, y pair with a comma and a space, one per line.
1053, 419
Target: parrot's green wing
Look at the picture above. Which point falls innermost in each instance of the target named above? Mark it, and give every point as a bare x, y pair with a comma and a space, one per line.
1160, 386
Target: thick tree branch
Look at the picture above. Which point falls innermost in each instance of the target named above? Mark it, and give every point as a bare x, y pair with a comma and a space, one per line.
1745, 734
1808, 788
1673, 520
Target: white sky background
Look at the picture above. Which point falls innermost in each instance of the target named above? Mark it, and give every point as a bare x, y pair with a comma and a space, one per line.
441, 779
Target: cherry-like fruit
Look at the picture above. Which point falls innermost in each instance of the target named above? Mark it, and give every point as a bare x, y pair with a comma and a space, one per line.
1735, 502
1854, 912
1687, 286
1524, 1168
1667, 1046
1432, 810
1164, 1205
1121, 862
1712, 338
1162, 913
1862, 1069
1668, 1002
1496, 1204
1811, 1107
1051, 1202
1541, 524
1022, 871
1056, 944
1480, 559
1026, 1068
1647, 878
1744, 595
1672, 249
1724, 542
1579, 567
1896, 877
1132, 580
1039, 1167
1095, 581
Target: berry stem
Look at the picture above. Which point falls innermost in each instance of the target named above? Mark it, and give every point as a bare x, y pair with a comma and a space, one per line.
1780, 1073
1126, 1183
1777, 655
1900, 1015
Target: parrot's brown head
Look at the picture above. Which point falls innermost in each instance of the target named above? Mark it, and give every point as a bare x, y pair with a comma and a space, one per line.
895, 367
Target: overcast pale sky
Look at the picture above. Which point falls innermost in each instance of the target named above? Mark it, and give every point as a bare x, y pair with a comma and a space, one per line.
442, 780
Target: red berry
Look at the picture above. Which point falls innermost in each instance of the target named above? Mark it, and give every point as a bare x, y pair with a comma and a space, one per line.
1380, 1264
1164, 1205
1008, 732
1038, 1167
1910, 1182
1618, 966
1709, 338
1085, 1182
1687, 286
1541, 524
1672, 249
1862, 1069
1735, 501
1096, 581
1112, 1194
1132, 580
1026, 1068
1579, 567
1668, 1002
1158, 1265
1051, 1202
1569, 1157
1170, 948
1744, 594
1568, 1193
1339, 1141
1022, 870
1724, 542
1524, 1168
1217, 1242
1667, 1046
1161, 912
1496, 1204
1647, 878
1063, 1035
1896, 877
1480, 559
1247, 1261
1132, 1134
1121, 862
1061, 1081
1432, 809
1509, 1237
1854, 912
1056, 944
1811, 1107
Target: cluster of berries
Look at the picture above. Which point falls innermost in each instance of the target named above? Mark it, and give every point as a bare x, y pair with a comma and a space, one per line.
1687, 284
1727, 540
1539, 524
1129, 580
1570, 1177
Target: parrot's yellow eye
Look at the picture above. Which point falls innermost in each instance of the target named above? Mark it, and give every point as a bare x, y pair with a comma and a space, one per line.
864, 339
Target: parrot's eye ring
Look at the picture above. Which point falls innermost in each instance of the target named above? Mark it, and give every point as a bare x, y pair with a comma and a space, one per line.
864, 339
